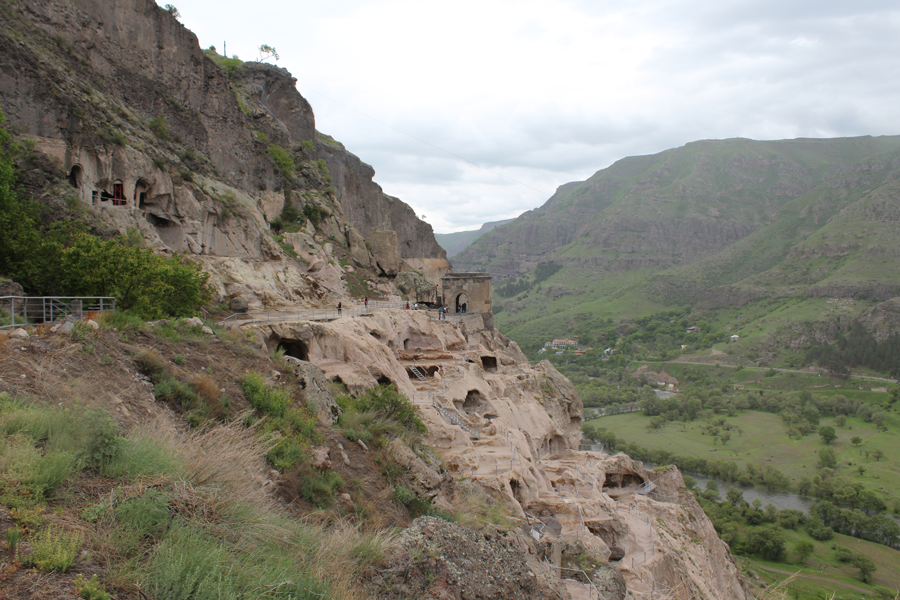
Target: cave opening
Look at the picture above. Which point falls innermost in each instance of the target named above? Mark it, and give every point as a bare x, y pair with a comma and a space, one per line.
75, 176
294, 348
617, 481
489, 363
474, 400
382, 380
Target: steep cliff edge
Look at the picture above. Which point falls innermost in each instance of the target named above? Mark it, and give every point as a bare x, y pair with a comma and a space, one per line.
197, 152
513, 428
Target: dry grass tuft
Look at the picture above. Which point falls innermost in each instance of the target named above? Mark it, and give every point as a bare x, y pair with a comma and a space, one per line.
229, 456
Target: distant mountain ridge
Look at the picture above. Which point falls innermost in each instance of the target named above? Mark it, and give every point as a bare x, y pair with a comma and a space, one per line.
708, 225
458, 241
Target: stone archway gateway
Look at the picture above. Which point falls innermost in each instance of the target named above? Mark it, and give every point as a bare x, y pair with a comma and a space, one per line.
467, 292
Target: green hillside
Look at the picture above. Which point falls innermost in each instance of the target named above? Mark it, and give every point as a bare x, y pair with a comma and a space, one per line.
818, 221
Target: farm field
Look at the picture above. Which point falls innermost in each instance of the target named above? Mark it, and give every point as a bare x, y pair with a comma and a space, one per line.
822, 563
761, 438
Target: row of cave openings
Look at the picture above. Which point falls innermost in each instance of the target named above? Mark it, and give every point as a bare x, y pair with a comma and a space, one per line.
103, 197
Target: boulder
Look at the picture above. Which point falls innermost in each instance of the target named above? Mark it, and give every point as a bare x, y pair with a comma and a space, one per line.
315, 389
238, 304
19, 334
320, 457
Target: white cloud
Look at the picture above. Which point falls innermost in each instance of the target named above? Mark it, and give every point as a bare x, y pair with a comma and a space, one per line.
549, 92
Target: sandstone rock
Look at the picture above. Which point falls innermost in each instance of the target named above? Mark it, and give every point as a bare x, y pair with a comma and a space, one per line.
616, 553
93, 324
19, 334
385, 251
208, 330
193, 322
358, 250
423, 480
238, 305
315, 390
320, 457
66, 327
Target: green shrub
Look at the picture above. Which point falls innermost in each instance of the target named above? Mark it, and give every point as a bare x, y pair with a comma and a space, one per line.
54, 549
319, 487
179, 359
101, 439
311, 212
282, 159
387, 402
12, 537
158, 126
143, 458
122, 321
90, 590
142, 517
271, 401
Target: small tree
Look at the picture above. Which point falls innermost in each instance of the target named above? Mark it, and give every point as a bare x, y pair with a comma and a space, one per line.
803, 550
878, 455
266, 52
827, 459
172, 11
856, 440
827, 433
865, 565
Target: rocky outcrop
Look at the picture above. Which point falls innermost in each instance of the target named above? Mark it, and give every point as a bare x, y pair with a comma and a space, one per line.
434, 558
513, 429
368, 208
154, 135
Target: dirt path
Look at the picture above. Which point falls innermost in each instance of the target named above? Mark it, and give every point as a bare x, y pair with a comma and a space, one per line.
825, 579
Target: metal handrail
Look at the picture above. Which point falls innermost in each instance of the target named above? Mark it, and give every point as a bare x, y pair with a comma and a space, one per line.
46, 309
310, 314
586, 582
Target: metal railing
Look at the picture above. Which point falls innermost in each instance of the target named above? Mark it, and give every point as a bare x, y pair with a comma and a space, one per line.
583, 578
310, 314
44, 309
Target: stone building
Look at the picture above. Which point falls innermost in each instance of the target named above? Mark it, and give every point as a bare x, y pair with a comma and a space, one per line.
468, 293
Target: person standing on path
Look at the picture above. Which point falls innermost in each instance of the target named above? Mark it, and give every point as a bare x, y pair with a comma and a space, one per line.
367, 302
339, 309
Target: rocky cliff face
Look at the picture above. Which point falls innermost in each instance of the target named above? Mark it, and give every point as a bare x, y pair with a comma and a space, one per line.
367, 207
513, 429
152, 133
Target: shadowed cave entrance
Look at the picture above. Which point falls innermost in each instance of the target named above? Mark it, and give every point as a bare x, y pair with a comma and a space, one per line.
294, 348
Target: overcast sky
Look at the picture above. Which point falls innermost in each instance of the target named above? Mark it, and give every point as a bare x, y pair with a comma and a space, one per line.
546, 92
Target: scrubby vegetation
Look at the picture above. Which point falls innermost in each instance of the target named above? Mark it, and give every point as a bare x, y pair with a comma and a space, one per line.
65, 259
177, 518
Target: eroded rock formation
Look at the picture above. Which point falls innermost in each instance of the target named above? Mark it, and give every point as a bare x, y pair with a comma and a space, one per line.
513, 428
153, 134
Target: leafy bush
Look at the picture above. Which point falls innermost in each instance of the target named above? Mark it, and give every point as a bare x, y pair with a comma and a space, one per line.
387, 402
90, 590
311, 212
282, 159
271, 401
54, 549
101, 439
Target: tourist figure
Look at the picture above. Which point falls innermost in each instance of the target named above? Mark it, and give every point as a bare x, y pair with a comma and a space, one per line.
407, 306
367, 302
339, 309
